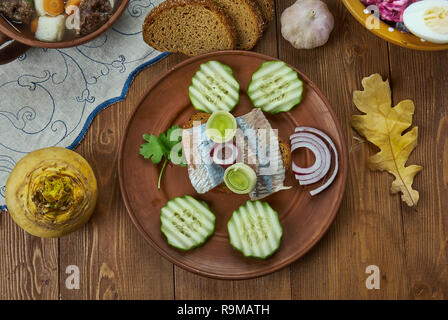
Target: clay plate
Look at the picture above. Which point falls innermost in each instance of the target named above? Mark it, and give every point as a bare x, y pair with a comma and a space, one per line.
305, 219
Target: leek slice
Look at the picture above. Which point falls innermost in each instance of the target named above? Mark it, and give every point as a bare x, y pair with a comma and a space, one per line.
221, 127
240, 178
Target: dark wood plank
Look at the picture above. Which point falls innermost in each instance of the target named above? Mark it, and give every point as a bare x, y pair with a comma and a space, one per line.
423, 78
367, 229
29, 265
272, 287
114, 260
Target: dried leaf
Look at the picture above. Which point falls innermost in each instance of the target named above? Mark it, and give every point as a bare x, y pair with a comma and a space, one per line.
383, 126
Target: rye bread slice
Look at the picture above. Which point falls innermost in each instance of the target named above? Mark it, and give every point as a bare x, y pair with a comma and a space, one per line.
191, 27
247, 20
267, 10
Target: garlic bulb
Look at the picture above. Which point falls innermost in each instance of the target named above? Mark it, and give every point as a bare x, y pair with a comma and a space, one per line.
307, 24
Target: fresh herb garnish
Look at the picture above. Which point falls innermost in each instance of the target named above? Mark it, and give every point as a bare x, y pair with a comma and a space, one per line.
161, 147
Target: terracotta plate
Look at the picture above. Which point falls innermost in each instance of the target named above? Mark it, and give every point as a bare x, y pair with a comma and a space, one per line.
305, 219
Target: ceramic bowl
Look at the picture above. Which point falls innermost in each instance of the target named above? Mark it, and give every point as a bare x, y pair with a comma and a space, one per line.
21, 41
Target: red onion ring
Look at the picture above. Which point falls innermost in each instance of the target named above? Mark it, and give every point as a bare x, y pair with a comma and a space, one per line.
333, 147
313, 177
218, 151
314, 149
305, 179
324, 157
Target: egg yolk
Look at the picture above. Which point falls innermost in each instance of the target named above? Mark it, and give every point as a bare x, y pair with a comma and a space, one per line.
53, 7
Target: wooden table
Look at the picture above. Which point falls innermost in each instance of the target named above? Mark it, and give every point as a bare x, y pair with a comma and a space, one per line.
410, 246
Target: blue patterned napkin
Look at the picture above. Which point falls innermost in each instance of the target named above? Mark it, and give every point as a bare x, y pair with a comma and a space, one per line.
49, 97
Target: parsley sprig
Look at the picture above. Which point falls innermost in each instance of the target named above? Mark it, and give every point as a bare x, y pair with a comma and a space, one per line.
160, 148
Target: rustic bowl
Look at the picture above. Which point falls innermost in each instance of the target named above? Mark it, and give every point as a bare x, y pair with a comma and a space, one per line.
384, 31
22, 41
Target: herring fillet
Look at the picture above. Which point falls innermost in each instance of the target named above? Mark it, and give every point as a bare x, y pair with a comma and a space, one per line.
270, 178
204, 174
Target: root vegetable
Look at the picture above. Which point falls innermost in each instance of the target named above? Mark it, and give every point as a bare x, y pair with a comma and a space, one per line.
51, 192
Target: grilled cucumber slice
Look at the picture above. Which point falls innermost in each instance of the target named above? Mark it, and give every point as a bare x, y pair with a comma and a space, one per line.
187, 223
275, 87
214, 88
255, 230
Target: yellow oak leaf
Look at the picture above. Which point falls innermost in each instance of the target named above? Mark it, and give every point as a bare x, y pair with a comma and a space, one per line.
383, 126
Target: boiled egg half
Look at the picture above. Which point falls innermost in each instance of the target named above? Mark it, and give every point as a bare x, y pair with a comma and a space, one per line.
428, 19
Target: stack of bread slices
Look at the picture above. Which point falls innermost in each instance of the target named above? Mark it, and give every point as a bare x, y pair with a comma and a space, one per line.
194, 27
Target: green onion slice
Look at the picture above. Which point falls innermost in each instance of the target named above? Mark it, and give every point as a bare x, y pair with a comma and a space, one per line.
221, 127
240, 178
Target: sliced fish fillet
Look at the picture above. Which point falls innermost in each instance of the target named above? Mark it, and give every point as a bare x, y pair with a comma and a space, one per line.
270, 168
204, 174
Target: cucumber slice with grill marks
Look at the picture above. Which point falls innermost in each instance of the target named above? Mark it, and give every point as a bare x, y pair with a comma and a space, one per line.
255, 230
186, 222
275, 87
214, 88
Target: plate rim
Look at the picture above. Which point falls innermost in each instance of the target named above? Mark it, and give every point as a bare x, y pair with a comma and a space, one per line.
343, 159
